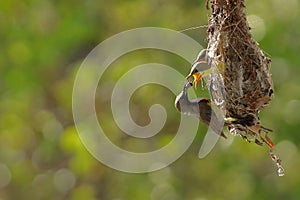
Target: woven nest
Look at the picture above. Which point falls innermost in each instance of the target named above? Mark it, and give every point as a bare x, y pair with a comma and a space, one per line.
246, 78
247, 81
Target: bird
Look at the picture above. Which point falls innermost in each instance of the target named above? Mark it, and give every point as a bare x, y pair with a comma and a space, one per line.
200, 67
198, 71
200, 107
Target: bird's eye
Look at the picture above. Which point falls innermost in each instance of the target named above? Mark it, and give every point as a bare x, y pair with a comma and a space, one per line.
195, 71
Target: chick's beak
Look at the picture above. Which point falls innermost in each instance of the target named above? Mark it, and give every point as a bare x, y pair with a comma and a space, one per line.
197, 77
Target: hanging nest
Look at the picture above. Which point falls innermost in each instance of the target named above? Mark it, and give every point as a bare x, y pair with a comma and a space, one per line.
247, 81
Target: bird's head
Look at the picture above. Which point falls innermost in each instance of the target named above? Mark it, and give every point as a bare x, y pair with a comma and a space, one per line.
201, 56
197, 71
182, 100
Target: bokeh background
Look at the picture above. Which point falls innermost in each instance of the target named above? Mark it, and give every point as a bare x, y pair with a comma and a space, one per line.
41, 157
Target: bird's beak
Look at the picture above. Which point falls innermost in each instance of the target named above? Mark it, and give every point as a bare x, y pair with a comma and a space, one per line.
188, 76
197, 77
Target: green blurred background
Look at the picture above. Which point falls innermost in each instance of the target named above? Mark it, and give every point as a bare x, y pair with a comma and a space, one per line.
41, 157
